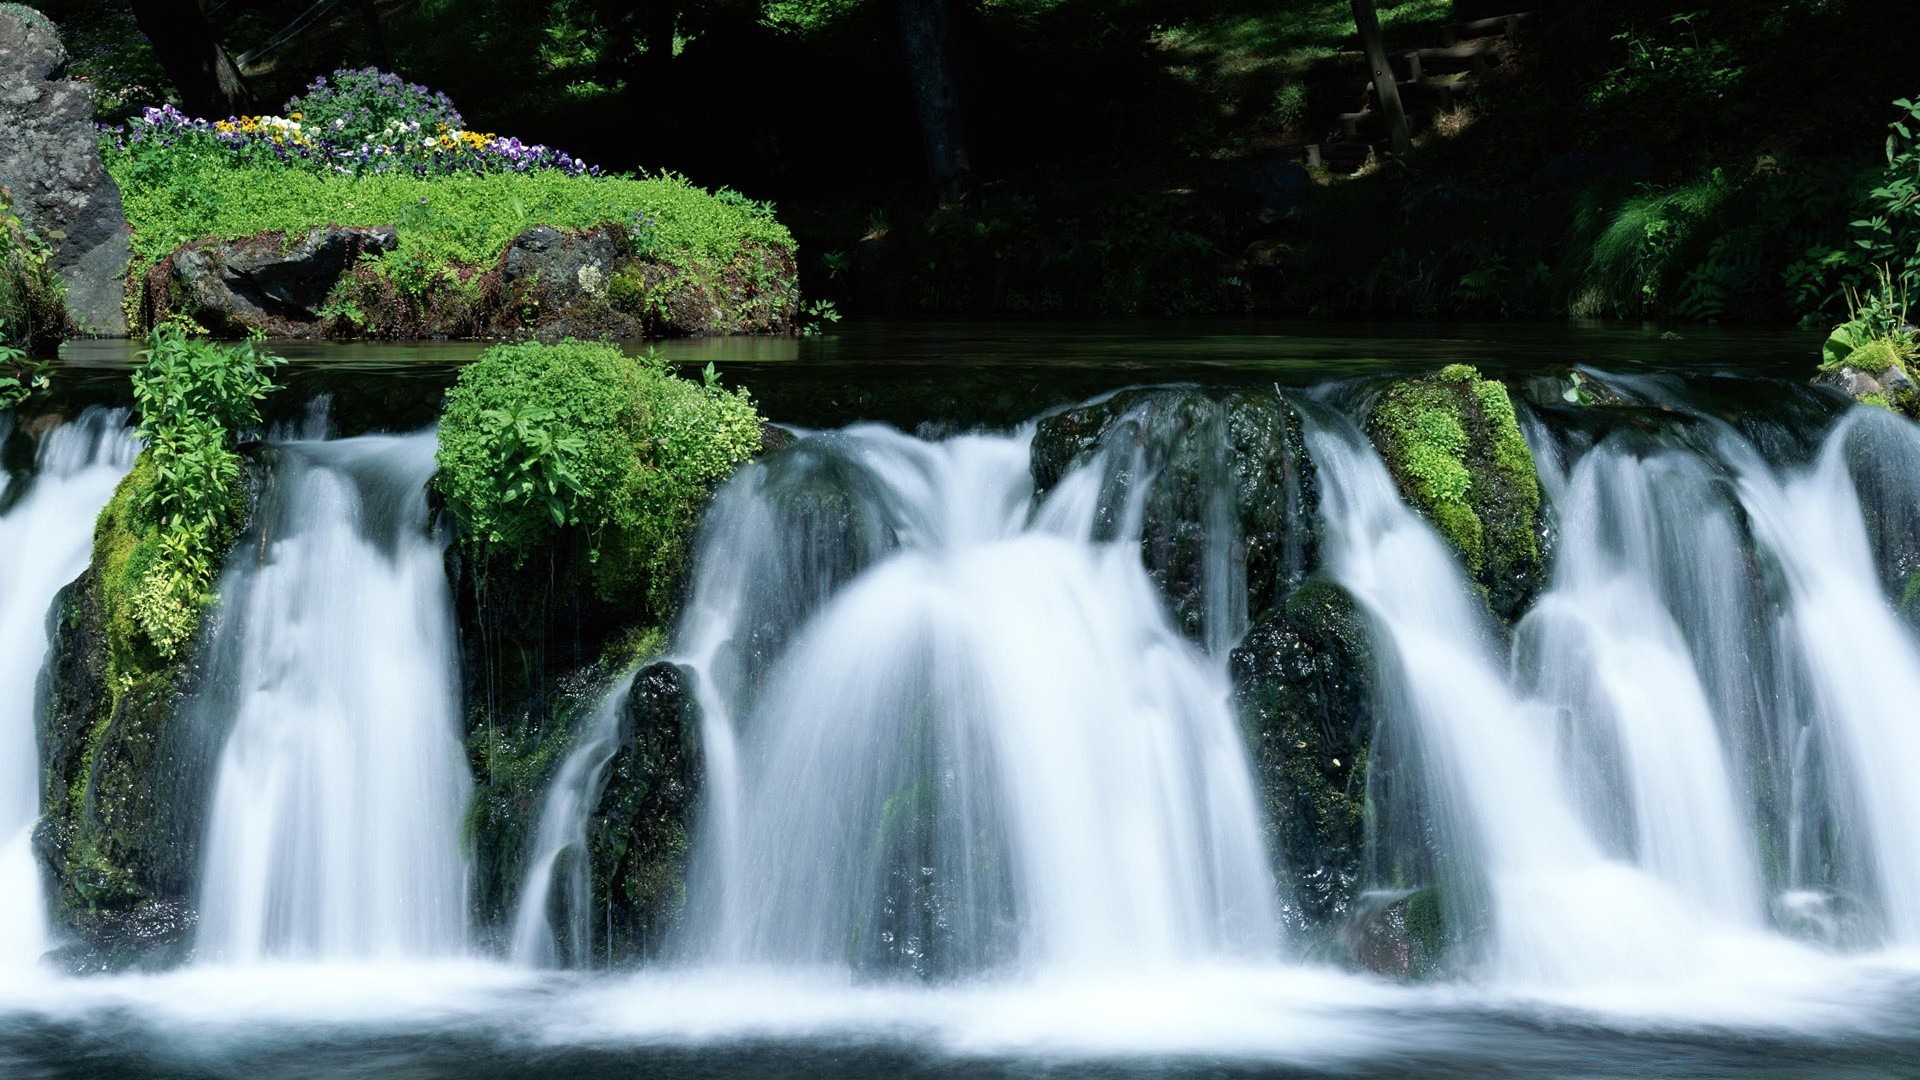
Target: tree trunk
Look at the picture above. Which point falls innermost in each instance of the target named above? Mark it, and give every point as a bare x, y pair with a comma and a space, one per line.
376, 44
209, 84
1367, 21
926, 31
658, 23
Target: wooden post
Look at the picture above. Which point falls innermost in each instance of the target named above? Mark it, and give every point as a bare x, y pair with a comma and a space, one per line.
1367, 21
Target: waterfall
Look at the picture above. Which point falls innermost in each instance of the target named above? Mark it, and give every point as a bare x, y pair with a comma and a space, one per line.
1641, 740
1858, 657
1560, 909
560, 845
334, 830
969, 738
46, 533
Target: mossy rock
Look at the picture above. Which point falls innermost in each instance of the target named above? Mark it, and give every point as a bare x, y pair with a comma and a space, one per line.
1304, 684
125, 773
639, 835
1453, 445
1877, 373
1207, 457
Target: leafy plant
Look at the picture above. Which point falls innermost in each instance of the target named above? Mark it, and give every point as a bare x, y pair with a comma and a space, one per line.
195, 397
542, 442
20, 374
368, 105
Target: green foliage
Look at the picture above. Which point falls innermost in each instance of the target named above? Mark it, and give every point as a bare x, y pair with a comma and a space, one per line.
32, 315
20, 374
177, 194
179, 508
539, 439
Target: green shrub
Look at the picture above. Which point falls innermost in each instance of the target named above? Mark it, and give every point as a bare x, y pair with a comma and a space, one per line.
160, 542
32, 314
539, 440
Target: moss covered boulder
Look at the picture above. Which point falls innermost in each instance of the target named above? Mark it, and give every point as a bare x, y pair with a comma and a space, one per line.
1304, 682
125, 770
1872, 369
1222, 485
639, 833
1453, 444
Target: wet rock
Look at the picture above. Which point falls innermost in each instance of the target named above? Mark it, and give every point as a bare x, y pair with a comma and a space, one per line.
51, 162
1401, 935
1222, 485
152, 936
639, 835
265, 282
1304, 683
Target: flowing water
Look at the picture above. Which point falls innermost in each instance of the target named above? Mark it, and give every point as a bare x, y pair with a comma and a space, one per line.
975, 805
334, 829
46, 540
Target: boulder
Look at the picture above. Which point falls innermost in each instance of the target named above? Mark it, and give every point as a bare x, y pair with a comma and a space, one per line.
265, 282
1303, 680
1453, 444
639, 835
584, 283
50, 160
1228, 490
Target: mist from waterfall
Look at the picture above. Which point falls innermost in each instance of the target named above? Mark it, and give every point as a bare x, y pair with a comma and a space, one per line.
46, 535
334, 829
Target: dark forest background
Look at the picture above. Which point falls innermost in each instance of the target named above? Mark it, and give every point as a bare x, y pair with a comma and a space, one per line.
1613, 158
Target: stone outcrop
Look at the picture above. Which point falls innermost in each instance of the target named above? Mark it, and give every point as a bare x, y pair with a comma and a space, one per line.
269, 282
1222, 483
51, 162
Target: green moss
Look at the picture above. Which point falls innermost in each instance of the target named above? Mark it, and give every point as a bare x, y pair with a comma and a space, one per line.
1453, 444
541, 440
1876, 400
1875, 357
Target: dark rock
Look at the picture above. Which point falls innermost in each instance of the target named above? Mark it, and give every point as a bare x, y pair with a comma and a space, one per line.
50, 160
151, 936
639, 834
1304, 683
122, 793
264, 283
592, 283
1229, 490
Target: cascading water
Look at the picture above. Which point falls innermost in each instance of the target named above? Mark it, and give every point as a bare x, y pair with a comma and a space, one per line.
1644, 749
335, 823
1858, 657
46, 534
1560, 909
975, 742
560, 844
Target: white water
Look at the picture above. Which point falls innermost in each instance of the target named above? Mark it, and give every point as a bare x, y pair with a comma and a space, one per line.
47, 540
559, 857
335, 824
1561, 910
988, 747
1640, 738
1859, 657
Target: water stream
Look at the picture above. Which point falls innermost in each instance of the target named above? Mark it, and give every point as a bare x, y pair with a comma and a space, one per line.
334, 829
46, 536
